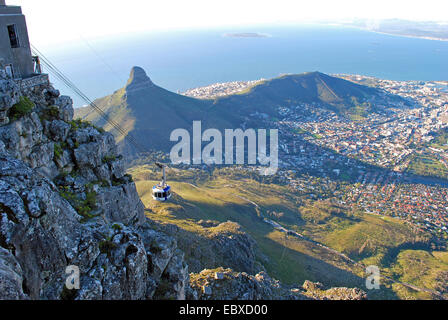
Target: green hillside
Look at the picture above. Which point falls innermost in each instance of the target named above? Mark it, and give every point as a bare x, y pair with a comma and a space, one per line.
430, 159
150, 113
312, 87
147, 111
367, 239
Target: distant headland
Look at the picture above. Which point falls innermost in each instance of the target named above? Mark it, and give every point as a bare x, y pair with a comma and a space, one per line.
247, 35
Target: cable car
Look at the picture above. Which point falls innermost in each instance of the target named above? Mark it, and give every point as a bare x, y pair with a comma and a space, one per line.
162, 191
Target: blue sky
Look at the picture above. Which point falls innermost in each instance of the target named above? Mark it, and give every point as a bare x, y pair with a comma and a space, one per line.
55, 21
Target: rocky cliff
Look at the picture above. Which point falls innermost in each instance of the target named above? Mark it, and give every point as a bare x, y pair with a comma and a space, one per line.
65, 200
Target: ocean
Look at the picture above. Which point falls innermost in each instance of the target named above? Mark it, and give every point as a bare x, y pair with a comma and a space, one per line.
182, 60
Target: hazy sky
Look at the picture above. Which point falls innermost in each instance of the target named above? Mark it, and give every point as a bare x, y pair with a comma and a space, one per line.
53, 21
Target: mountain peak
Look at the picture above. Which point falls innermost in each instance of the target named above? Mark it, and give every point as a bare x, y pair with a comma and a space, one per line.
138, 79
314, 73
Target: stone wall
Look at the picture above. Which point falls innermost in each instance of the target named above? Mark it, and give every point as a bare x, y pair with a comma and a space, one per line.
33, 81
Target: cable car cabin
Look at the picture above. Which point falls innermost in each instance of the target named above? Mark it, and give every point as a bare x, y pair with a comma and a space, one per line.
160, 193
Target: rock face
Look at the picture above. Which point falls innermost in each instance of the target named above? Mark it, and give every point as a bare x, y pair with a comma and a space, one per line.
138, 80
219, 245
316, 290
10, 276
65, 200
226, 284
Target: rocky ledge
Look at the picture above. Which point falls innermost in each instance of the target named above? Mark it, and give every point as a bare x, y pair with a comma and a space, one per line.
226, 284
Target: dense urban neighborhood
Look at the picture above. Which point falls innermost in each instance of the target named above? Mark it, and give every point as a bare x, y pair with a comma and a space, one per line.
220, 89
385, 160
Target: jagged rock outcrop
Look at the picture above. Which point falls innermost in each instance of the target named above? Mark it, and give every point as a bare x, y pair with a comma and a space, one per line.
316, 290
226, 284
138, 80
221, 245
11, 278
235, 245
65, 200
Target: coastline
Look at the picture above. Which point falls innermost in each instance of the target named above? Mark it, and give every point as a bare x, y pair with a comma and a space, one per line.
404, 35
392, 34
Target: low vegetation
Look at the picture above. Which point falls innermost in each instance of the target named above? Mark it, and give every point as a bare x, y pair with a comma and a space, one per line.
58, 151
84, 203
49, 113
21, 109
427, 165
82, 124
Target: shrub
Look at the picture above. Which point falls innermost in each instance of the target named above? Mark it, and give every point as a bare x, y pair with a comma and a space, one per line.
91, 199
50, 113
116, 183
109, 159
57, 151
82, 124
129, 177
103, 183
164, 291
83, 207
76, 124
117, 227
53, 111
20, 109
107, 246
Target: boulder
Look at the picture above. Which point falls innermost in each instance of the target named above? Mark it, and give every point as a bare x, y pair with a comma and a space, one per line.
59, 130
11, 277
65, 105
121, 204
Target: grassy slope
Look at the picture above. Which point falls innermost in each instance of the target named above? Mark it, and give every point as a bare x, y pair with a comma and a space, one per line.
115, 106
428, 162
290, 259
427, 165
421, 267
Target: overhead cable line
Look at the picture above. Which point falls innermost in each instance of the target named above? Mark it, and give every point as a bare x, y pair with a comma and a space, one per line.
67, 82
